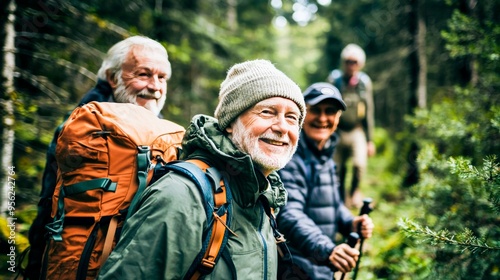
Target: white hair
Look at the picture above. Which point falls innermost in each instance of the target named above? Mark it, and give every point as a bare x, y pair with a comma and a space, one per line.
354, 51
117, 54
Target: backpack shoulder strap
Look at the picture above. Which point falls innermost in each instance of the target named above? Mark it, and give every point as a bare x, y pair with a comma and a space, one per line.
364, 83
335, 78
217, 199
143, 166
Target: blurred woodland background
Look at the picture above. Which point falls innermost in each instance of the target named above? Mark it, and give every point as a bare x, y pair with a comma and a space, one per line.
435, 66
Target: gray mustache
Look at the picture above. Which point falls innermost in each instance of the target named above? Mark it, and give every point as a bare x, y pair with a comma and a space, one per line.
148, 95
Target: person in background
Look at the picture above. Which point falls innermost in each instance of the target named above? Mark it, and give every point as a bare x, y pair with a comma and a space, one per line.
356, 124
315, 213
254, 133
135, 70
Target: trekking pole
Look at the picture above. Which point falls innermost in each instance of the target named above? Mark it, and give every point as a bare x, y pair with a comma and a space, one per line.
365, 209
351, 241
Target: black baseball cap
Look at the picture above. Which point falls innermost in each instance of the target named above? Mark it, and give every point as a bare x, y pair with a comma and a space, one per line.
318, 92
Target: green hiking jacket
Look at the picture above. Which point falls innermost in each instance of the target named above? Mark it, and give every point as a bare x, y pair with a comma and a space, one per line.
161, 240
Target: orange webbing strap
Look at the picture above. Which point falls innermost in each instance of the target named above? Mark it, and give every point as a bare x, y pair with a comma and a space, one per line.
110, 236
219, 225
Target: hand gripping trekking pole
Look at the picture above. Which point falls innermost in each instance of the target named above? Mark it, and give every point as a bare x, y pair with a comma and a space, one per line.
365, 209
351, 241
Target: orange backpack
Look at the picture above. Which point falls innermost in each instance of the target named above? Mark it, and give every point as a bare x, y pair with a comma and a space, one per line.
104, 152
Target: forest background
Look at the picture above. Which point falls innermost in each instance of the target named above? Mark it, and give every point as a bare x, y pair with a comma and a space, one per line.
435, 68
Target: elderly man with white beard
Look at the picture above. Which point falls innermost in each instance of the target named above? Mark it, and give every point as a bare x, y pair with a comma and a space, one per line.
135, 70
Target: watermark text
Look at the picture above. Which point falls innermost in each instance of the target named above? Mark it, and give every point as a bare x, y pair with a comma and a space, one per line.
11, 219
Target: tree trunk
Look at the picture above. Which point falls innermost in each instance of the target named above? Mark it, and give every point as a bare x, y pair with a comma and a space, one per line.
159, 6
467, 69
418, 79
232, 18
8, 109
422, 61
417, 58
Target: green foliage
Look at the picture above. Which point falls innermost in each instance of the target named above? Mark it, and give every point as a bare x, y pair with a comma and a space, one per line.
468, 36
463, 35
389, 255
465, 239
459, 203
458, 192
466, 128
489, 175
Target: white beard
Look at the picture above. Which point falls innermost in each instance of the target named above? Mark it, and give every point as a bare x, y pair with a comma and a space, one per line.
123, 94
248, 143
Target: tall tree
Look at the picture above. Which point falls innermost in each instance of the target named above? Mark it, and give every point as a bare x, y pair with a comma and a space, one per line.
417, 56
6, 102
417, 77
467, 67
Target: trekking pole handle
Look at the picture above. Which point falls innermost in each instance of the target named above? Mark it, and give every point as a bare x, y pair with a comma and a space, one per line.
365, 209
351, 241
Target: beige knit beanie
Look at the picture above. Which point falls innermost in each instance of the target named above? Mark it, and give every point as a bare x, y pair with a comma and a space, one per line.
250, 82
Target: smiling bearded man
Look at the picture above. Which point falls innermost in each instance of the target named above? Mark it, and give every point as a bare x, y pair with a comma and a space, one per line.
142, 80
283, 145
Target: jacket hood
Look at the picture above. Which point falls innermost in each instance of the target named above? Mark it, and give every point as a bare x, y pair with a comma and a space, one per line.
205, 140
